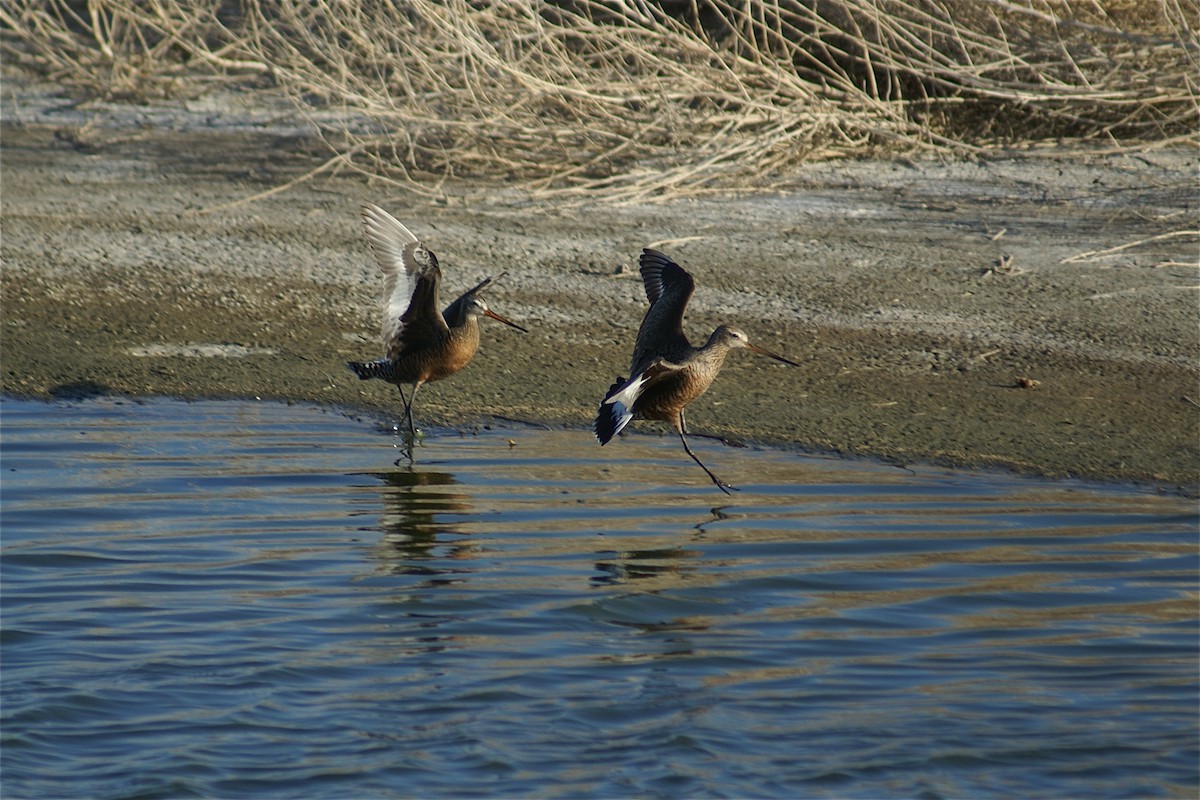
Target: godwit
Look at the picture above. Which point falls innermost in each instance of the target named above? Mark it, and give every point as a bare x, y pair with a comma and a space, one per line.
667, 373
420, 343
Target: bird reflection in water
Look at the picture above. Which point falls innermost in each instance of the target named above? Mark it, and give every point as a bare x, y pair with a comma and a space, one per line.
670, 564
617, 568
419, 535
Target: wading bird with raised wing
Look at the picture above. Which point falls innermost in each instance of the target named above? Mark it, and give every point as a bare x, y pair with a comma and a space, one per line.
420, 342
667, 373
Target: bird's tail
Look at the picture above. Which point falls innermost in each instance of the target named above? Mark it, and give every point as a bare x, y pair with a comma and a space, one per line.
612, 416
370, 369
617, 409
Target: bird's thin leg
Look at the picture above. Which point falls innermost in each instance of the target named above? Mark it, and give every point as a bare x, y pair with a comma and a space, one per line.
714, 437
722, 485
412, 430
408, 450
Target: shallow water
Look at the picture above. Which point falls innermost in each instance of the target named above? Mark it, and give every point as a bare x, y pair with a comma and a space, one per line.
251, 600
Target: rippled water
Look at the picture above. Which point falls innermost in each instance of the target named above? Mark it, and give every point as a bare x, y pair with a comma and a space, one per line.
251, 600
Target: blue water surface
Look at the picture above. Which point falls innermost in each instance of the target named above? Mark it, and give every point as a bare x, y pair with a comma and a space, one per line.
251, 600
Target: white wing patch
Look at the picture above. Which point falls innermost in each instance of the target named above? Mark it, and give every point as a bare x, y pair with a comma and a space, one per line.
624, 398
628, 394
619, 409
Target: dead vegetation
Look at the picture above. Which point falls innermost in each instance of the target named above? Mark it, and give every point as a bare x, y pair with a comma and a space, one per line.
627, 100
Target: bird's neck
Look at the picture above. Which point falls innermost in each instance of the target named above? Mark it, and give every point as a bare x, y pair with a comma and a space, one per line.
713, 351
458, 317
465, 325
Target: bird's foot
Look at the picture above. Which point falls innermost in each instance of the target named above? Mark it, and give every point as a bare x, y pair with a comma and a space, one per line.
410, 438
407, 448
725, 487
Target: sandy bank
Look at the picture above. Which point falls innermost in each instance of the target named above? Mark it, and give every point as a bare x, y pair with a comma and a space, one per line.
943, 312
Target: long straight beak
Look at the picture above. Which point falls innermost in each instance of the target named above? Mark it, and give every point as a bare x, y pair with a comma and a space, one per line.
508, 322
756, 349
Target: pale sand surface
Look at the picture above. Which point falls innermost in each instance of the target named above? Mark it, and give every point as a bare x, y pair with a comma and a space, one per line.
917, 295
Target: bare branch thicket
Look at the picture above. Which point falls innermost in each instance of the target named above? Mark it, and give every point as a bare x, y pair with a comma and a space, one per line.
621, 100
126, 48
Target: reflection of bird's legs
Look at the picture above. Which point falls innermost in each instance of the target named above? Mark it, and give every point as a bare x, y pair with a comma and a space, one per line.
680, 427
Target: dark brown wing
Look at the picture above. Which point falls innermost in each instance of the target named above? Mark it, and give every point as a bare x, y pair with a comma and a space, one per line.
422, 323
668, 288
410, 286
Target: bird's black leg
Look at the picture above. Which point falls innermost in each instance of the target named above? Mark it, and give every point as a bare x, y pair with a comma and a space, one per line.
722, 485
412, 430
712, 436
408, 450
717, 438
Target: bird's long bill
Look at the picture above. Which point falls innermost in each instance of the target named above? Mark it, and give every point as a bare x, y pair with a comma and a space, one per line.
498, 318
486, 282
756, 349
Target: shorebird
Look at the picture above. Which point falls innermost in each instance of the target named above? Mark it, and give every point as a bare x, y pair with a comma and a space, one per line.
420, 343
666, 372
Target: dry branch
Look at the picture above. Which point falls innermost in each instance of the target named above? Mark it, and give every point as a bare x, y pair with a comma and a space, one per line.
622, 101
1092, 255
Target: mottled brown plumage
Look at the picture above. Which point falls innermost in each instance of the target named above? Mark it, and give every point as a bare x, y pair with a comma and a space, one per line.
667, 373
420, 343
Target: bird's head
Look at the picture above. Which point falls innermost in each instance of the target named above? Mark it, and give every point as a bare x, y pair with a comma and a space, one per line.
475, 306
735, 338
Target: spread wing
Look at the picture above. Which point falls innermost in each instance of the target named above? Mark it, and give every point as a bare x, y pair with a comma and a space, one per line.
411, 278
668, 288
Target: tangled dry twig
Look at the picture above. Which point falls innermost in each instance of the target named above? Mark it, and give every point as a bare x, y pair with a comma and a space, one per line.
628, 100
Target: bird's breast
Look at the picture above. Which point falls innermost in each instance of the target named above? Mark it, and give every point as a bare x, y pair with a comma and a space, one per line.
434, 358
456, 352
667, 397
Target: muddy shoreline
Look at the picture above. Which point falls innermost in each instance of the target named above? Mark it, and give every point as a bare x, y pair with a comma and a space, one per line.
944, 312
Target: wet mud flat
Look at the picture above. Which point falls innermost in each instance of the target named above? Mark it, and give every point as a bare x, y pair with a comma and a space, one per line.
1034, 313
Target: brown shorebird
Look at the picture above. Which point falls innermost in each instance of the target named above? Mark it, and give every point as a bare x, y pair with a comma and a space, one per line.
420, 343
667, 373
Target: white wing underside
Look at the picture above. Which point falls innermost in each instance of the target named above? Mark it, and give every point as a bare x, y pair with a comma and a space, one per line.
401, 257
624, 398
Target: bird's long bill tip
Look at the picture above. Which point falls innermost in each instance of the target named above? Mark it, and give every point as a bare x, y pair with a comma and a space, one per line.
764, 352
508, 322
